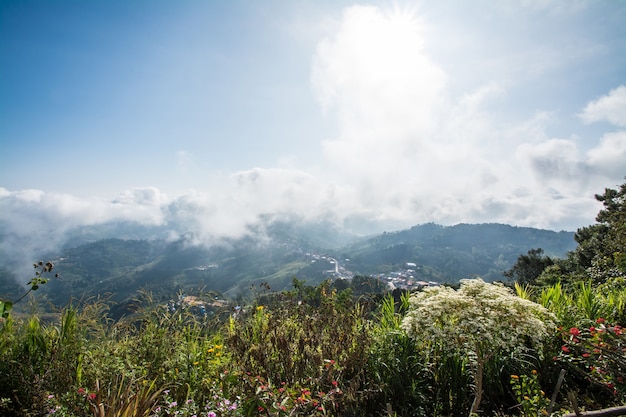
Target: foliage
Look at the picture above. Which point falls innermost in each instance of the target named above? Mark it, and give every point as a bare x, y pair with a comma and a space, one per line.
529, 267
41, 268
303, 343
529, 395
125, 398
598, 353
476, 321
396, 368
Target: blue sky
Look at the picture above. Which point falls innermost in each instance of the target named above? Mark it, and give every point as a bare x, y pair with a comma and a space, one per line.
379, 115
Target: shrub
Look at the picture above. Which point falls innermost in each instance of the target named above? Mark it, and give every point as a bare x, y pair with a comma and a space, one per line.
477, 322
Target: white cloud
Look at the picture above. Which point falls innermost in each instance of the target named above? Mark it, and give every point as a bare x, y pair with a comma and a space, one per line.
406, 151
552, 159
611, 108
609, 157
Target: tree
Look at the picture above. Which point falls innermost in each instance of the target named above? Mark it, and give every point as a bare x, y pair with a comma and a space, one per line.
528, 267
604, 243
479, 320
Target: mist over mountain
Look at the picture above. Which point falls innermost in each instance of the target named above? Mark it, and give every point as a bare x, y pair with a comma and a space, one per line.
121, 258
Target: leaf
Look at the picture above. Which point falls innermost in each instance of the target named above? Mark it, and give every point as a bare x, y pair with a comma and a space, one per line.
5, 308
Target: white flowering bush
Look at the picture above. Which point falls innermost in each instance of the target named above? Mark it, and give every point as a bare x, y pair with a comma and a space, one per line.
478, 320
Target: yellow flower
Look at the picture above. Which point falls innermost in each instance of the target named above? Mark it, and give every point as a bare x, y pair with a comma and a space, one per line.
534, 372
218, 347
259, 308
526, 397
210, 350
196, 363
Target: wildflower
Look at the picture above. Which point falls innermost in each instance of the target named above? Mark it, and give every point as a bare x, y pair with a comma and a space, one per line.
259, 308
50, 396
574, 331
534, 372
91, 396
81, 391
565, 349
211, 414
335, 383
514, 377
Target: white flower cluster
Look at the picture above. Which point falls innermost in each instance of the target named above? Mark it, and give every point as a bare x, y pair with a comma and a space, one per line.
480, 319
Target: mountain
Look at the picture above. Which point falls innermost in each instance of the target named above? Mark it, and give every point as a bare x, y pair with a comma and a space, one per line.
448, 254
232, 268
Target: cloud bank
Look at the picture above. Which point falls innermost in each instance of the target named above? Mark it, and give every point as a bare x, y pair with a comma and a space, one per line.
406, 151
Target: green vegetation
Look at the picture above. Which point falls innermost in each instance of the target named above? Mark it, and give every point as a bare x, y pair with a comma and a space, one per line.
338, 348
122, 267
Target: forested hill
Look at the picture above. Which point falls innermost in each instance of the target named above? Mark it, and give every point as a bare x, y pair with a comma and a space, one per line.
449, 253
442, 254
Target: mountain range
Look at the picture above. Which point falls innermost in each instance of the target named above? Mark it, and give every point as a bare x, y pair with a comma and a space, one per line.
121, 260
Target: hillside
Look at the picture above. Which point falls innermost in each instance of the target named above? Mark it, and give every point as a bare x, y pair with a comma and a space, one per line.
230, 268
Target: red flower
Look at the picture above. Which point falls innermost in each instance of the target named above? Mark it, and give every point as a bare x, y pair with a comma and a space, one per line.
565, 349
81, 391
334, 383
600, 320
574, 331
91, 396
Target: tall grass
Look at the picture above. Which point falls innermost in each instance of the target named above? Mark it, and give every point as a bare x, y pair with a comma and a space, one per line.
311, 351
